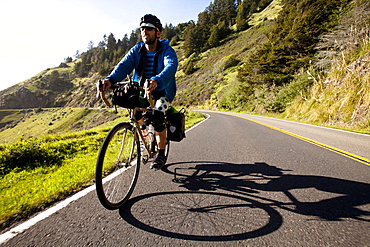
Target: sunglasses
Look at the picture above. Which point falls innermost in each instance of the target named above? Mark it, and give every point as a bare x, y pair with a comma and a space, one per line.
147, 28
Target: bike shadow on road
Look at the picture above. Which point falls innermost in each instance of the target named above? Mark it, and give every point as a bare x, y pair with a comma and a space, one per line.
216, 198
341, 200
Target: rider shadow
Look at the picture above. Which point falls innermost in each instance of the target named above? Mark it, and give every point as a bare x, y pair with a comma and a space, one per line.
244, 185
342, 196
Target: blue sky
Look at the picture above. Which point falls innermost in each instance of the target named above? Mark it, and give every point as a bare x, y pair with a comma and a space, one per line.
39, 34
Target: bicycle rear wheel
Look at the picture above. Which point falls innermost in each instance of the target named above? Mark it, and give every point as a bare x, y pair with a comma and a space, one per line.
118, 166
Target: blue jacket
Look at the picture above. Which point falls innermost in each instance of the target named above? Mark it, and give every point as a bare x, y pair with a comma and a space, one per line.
165, 66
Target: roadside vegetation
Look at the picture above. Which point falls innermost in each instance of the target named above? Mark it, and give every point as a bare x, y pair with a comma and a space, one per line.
37, 171
338, 94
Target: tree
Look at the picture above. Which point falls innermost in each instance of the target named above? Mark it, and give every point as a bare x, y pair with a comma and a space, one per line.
214, 39
103, 44
193, 40
111, 43
77, 55
90, 45
224, 10
169, 31
68, 60
242, 16
125, 43
133, 39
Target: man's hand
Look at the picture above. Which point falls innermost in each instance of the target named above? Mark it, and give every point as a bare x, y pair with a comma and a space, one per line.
152, 85
106, 85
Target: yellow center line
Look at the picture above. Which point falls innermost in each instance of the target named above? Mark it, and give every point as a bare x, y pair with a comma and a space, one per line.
327, 147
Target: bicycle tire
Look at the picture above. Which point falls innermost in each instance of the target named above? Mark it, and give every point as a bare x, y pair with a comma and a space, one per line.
118, 165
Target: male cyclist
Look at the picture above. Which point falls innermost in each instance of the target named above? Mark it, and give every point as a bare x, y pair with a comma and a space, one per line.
155, 61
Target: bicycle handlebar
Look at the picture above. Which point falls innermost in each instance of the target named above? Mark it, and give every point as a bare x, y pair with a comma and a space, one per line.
101, 94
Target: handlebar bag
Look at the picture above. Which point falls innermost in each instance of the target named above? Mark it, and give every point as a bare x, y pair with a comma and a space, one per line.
127, 97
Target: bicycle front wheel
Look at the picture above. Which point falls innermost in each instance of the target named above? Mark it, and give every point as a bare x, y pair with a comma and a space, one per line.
118, 165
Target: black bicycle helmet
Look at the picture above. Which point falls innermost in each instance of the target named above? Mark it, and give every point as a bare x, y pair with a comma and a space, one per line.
151, 19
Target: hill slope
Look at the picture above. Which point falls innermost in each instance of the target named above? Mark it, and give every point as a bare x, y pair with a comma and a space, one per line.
279, 61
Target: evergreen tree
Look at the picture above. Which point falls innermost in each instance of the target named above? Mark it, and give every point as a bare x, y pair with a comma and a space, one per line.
214, 39
243, 14
111, 43
133, 39
169, 31
125, 43
103, 44
77, 55
90, 45
225, 10
193, 39
68, 60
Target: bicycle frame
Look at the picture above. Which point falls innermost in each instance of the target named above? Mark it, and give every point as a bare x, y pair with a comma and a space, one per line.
124, 162
136, 124
132, 112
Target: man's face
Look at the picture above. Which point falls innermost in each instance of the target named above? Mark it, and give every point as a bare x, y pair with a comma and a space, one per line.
149, 35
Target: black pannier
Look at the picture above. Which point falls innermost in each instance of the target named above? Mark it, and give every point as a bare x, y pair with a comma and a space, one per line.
176, 126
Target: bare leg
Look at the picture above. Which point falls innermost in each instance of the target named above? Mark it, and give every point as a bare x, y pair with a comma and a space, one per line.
161, 139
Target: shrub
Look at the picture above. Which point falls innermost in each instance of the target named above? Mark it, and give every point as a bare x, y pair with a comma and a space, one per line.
298, 87
30, 154
189, 65
230, 61
174, 40
26, 155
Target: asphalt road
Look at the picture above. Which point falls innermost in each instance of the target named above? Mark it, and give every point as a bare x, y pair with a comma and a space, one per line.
235, 180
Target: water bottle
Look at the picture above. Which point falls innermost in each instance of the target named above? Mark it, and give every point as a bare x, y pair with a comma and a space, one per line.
145, 133
151, 132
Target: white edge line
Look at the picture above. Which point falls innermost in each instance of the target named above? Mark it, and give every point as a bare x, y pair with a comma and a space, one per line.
194, 126
24, 226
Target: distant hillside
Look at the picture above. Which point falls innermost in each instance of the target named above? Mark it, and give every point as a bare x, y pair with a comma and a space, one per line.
39, 122
261, 56
55, 87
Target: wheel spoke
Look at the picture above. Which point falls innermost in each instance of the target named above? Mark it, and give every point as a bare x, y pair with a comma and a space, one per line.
118, 166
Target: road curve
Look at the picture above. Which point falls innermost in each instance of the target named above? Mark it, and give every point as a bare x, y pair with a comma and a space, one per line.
354, 143
235, 180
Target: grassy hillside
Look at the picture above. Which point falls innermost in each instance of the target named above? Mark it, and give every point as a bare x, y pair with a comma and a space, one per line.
267, 68
340, 91
37, 122
341, 97
328, 87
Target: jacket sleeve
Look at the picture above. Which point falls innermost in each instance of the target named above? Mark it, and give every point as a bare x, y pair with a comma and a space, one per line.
167, 75
124, 67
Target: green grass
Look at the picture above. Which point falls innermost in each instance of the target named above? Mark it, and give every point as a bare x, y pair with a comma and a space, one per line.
23, 193
269, 13
192, 118
33, 184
